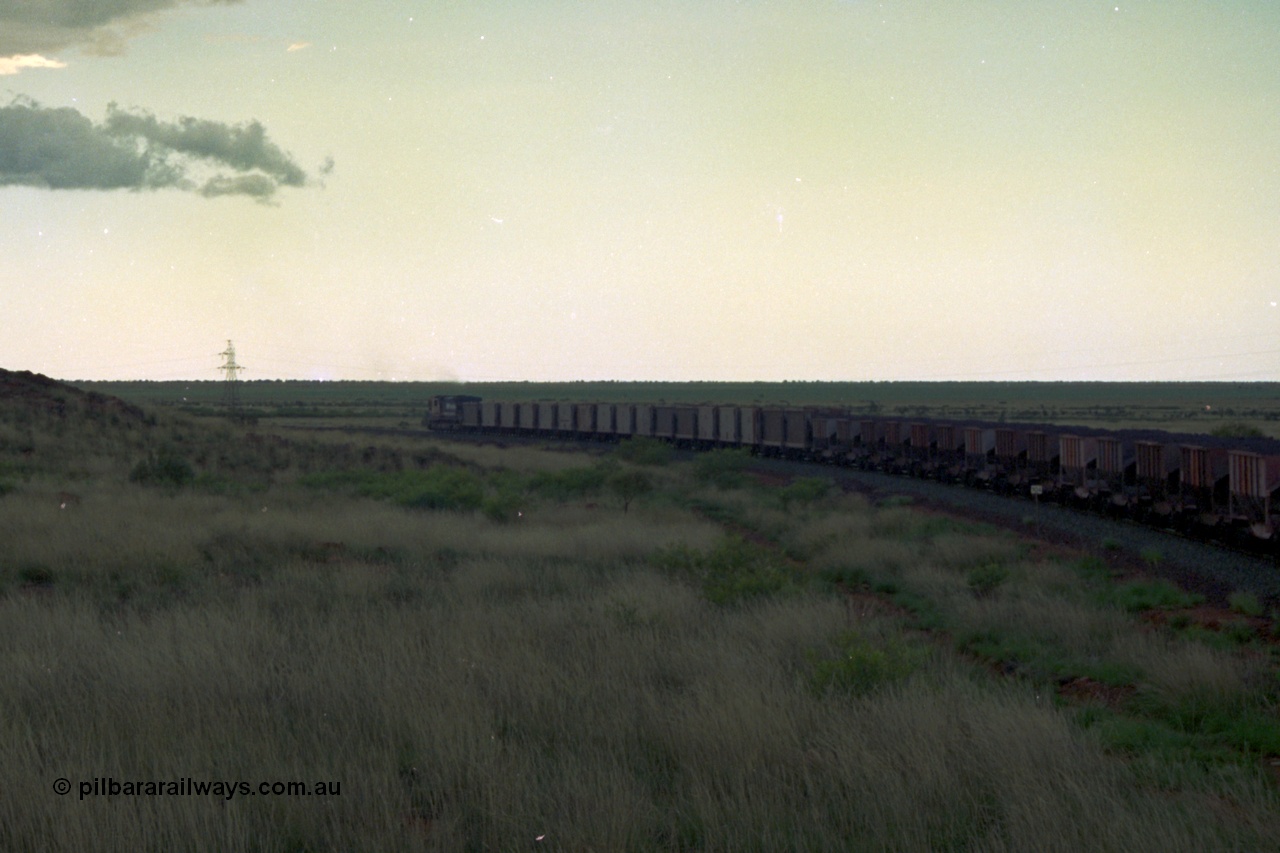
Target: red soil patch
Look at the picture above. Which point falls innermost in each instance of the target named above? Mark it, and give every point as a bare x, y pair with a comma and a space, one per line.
770, 478
1085, 689
1212, 618
861, 604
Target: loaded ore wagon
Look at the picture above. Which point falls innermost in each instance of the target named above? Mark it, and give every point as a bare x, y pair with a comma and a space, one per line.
727, 431
644, 419
708, 426
585, 419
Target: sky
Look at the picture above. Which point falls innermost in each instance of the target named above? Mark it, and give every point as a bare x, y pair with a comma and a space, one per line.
671, 190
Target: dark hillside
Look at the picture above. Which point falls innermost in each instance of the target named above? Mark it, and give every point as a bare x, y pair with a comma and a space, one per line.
39, 396
48, 426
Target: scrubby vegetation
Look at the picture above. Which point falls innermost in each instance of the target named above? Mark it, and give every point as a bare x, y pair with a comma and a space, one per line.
609, 649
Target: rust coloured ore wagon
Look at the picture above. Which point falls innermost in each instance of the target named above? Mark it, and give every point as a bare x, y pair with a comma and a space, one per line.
1254, 485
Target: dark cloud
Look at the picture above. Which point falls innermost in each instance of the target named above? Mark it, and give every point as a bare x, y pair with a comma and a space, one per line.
33, 26
243, 147
258, 186
61, 149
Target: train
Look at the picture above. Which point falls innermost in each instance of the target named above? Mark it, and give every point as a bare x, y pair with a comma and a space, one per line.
1221, 488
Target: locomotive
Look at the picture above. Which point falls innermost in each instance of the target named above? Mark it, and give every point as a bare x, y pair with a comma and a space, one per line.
1209, 486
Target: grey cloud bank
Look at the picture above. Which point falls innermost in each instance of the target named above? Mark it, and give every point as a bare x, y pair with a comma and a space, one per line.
98, 26
58, 148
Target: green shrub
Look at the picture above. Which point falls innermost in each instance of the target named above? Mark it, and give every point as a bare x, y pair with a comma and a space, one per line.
738, 570
165, 468
1237, 429
36, 575
1021, 654
629, 485
501, 507
732, 572
644, 451
1092, 569
848, 576
804, 490
861, 665
1149, 595
439, 487
1245, 603
984, 580
570, 483
724, 469
1238, 631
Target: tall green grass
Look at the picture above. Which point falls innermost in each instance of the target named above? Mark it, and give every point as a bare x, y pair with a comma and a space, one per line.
687, 675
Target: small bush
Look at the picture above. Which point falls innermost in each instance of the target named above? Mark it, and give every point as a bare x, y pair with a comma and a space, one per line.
1015, 653
862, 666
570, 483
165, 468
36, 575
724, 469
439, 487
629, 485
1092, 570
1238, 631
644, 451
805, 490
502, 507
734, 571
848, 576
1150, 595
1245, 603
984, 580
1237, 429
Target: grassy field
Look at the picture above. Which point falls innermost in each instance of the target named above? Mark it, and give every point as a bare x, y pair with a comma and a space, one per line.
478, 648
1196, 407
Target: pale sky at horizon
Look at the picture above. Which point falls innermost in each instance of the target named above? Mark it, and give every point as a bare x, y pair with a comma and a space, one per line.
672, 190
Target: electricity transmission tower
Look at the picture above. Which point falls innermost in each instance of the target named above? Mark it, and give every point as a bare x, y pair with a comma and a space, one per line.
231, 396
